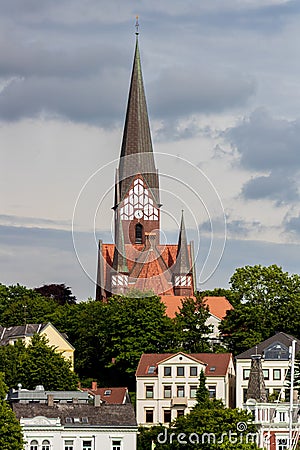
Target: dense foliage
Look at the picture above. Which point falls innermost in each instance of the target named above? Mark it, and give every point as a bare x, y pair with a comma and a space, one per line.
11, 437
36, 364
269, 301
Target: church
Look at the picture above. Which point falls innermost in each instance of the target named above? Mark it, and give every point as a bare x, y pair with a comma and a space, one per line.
137, 261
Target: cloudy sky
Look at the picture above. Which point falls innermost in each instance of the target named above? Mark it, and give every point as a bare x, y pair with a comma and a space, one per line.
222, 80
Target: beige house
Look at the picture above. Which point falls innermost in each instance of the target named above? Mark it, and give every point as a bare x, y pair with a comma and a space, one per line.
9, 335
167, 384
275, 361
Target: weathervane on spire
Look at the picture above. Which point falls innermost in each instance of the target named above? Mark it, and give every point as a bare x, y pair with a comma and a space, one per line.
137, 25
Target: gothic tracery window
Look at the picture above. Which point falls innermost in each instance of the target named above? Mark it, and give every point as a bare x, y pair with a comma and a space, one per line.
138, 203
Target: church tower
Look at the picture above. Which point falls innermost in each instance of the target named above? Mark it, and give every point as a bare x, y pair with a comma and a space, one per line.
137, 260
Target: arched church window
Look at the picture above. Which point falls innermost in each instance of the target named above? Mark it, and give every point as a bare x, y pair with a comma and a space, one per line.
138, 233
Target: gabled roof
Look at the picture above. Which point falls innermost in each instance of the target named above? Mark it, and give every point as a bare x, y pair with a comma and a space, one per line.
173, 303
104, 415
28, 330
110, 395
283, 338
219, 361
218, 306
149, 268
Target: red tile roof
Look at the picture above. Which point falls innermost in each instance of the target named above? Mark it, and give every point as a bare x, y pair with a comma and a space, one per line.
219, 361
173, 303
117, 395
218, 306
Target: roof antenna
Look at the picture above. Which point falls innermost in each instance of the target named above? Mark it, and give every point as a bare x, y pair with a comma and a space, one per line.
137, 25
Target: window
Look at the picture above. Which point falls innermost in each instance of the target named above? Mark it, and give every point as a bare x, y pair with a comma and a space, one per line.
212, 391
212, 369
282, 444
151, 369
246, 374
180, 412
180, 371
180, 391
34, 445
69, 445
193, 391
85, 420
68, 420
245, 395
107, 392
193, 372
138, 233
149, 391
149, 415
167, 416
276, 374
87, 445
266, 374
167, 371
45, 444
281, 416
116, 445
277, 351
167, 391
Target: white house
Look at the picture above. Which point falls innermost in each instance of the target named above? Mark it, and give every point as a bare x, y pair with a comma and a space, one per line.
218, 307
167, 383
59, 424
275, 362
272, 421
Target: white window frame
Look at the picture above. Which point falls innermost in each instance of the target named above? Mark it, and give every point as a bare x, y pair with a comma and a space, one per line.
34, 444
68, 445
87, 440
114, 446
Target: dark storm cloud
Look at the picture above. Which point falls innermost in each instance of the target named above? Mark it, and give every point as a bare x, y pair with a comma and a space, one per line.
268, 144
277, 186
182, 91
292, 225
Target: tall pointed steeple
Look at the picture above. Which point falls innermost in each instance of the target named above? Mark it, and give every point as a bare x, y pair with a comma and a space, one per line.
183, 266
136, 150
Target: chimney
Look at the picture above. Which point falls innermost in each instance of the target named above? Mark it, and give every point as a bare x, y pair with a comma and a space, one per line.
94, 385
97, 401
50, 400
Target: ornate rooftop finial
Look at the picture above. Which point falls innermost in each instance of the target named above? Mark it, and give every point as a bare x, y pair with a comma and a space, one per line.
137, 25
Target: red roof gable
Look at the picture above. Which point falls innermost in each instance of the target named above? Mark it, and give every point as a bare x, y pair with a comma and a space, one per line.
218, 306
111, 396
219, 361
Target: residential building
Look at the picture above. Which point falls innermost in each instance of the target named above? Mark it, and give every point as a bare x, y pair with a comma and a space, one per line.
137, 259
72, 424
109, 395
218, 307
275, 355
167, 383
272, 421
9, 335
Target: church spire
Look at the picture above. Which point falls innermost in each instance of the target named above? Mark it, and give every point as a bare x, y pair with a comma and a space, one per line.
136, 150
182, 265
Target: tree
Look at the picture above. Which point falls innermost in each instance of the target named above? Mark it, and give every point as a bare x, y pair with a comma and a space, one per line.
270, 302
19, 305
36, 364
11, 437
61, 293
191, 325
202, 394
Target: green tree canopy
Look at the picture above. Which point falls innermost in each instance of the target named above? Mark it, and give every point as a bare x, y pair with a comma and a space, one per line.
61, 293
191, 328
36, 364
270, 302
11, 437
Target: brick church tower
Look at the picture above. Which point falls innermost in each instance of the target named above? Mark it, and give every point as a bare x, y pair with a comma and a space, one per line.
137, 260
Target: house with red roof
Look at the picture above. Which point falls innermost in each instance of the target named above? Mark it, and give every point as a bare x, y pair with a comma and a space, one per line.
109, 395
167, 384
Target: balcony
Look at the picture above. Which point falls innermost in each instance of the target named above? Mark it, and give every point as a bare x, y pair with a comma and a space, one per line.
179, 401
